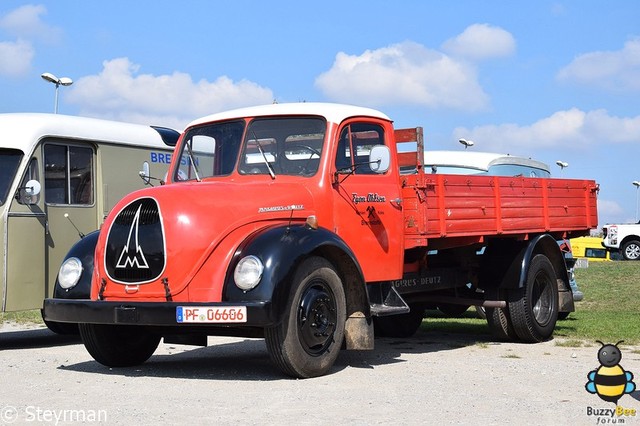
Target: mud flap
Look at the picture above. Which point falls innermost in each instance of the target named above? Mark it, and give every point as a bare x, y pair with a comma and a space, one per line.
358, 333
565, 298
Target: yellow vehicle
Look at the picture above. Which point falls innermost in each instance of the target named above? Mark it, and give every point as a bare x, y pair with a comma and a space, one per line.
590, 248
59, 177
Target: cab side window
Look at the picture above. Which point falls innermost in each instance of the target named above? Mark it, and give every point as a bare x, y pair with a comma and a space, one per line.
68, 174
354, 145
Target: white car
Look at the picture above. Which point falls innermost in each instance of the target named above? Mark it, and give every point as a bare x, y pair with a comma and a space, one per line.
623, 238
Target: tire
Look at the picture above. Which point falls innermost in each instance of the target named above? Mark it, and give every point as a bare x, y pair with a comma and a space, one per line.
499, 321
402, 325
631, 250
118, 345
452, 311
481, 312
534, 308
307, 341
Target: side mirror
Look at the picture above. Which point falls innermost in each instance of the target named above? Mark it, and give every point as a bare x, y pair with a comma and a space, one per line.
144, 173
29, 193
380, 158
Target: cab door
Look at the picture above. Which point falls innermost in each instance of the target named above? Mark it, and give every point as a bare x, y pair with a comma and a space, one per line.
25, 246
367, 207
69, 189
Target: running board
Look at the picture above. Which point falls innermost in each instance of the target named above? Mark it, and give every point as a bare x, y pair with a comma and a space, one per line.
393, 304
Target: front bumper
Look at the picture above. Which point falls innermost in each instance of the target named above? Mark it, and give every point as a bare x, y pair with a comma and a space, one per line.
259, 314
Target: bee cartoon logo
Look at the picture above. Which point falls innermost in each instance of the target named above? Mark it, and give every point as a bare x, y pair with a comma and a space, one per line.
610, 381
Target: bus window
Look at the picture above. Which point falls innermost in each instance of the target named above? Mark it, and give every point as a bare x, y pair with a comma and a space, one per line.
68, 174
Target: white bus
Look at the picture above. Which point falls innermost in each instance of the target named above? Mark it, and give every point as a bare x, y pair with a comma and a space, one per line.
59, 177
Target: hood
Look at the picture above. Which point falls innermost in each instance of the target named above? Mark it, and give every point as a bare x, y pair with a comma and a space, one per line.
168, 232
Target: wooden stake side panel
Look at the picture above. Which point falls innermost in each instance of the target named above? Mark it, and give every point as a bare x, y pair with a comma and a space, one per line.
449, 206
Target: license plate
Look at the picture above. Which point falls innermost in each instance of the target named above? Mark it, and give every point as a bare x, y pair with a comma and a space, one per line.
210, 314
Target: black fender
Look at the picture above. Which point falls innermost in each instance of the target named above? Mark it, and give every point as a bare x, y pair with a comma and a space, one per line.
281, 248
507, 263
83, 250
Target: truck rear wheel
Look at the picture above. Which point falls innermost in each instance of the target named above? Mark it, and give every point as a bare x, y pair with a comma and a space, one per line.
401, 325
500, 324
118, 345
631, 250
307, 341
534, 308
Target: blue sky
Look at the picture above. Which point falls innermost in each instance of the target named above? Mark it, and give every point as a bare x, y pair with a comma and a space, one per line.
550, 80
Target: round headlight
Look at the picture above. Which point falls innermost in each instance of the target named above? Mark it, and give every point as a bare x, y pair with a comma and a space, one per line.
248, 273
70, 273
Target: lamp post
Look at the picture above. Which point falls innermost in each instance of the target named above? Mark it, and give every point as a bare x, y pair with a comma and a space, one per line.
562, 165
636, 183
466, 143
64, 81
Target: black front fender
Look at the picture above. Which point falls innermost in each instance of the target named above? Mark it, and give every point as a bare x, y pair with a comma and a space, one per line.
83, 250
281, 249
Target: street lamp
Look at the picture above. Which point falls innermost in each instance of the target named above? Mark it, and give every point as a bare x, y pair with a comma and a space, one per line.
562, 165
636, 183
466, 143
64, 81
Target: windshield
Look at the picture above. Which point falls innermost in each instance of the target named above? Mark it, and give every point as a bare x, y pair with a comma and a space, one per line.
269, 146
9, 161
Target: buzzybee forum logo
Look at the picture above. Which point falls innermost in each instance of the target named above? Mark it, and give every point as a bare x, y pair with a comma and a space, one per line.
610, 381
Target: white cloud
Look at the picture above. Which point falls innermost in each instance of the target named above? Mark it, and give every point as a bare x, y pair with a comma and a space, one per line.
610, 209
561, 128
119, 92
481, 41
405, 73
25, 22
15, 58
617, 71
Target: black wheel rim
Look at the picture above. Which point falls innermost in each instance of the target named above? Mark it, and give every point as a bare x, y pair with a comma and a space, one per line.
542, 298
317, 318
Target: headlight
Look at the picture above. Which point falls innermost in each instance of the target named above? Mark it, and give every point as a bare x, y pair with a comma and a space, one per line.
70, 273
248, 273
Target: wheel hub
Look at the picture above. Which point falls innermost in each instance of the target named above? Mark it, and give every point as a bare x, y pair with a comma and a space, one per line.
316, 319
542, 302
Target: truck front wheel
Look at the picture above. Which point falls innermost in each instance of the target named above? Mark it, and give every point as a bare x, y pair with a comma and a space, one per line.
118, 345
533, 309
631, 250
307, 341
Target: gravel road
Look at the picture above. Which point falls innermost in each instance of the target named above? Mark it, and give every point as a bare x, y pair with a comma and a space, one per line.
432, 378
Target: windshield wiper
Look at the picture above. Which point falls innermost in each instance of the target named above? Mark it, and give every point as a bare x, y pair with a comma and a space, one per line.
264, 157
193, 163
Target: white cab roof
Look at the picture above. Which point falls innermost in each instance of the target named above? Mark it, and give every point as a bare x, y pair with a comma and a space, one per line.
24, 130
334, 113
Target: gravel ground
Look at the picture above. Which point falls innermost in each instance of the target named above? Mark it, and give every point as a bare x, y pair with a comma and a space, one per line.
431, 378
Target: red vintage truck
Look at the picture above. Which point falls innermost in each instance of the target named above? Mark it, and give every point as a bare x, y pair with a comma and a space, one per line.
302, 224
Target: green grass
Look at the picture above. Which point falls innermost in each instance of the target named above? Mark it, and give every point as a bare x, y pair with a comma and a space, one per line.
610, 311
23, 317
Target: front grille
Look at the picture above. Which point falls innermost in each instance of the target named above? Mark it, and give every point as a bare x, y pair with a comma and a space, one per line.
135, 251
